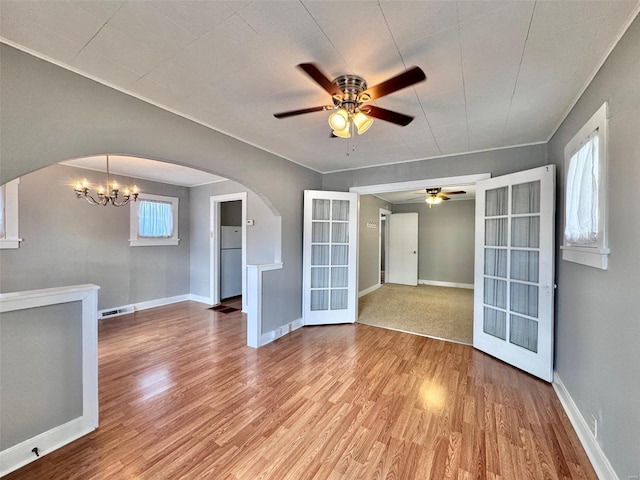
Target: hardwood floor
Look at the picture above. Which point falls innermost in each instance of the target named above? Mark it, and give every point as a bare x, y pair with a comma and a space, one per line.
181, 396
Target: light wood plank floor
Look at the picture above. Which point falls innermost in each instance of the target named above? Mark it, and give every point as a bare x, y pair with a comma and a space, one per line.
181, 396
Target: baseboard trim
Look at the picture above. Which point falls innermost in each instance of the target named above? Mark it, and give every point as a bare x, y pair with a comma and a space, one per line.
159, 302
279, 332
598, 459
373, 288
21, 454
436, 283
200, 299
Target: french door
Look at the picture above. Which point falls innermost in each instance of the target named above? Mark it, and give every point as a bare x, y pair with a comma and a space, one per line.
514, 269
330, 293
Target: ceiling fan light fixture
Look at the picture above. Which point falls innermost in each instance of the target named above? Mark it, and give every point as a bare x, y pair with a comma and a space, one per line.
343, 133
433, 200
339, 120
362, 122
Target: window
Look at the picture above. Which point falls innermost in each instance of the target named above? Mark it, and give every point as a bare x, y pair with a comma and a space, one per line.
585, 158
154, 221
9, 215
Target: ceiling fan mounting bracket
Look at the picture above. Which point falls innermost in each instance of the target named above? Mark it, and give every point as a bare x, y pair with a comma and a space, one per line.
351, 88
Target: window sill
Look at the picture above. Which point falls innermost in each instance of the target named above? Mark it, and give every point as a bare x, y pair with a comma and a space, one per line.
590, 256
156, 242
10, 243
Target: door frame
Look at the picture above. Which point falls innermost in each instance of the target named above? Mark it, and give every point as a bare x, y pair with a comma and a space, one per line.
386, 213
214, 245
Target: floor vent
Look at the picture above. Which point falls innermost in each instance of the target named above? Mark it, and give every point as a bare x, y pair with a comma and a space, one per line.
114, 312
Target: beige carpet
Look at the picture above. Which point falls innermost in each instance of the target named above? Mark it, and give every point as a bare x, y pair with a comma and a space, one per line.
442, 312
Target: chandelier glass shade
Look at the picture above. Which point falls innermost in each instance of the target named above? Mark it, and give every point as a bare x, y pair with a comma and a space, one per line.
107, 194
433, 200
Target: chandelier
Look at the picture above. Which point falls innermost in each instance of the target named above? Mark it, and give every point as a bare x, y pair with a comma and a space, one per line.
343, 121
107, 193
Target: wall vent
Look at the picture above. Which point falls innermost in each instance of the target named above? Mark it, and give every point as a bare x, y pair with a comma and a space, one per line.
114, 312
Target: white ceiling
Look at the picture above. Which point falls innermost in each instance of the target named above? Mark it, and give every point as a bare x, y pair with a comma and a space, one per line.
500, 73
147, 169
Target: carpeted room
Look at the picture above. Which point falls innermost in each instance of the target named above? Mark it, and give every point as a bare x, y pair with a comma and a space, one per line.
441, 305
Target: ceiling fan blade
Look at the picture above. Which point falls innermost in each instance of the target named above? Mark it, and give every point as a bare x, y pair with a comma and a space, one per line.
386, 115
301, 111
405, 79
319, 77
444, 197
459, 192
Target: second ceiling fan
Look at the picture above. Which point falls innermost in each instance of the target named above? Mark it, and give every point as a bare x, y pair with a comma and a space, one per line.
350, 94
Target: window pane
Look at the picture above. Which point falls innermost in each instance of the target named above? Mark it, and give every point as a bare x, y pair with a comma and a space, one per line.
496, 202
319, 299
340, 255
339, 276
526, 198
340, 232
339, 299
524, 265
155, 219
320, 255
581, 213
320, 210
523, 332
495, 292
340, 210
495, 323
320, 232
496, 232
525, 232
524, 299
319, 277
495, 262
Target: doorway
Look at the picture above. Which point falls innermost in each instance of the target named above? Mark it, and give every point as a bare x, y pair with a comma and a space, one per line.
228, 247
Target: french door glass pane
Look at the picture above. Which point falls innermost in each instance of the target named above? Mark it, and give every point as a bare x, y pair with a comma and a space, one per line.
340, 233
339, 255
495, 292
320, 255
525, 232
339, 277
320, 232
495, 262
320, 210
340, 210
339, 299
319, 299
525, 265
526, 198
496, 232
524, 299
523, 332
497, 202
319, 277
495, 323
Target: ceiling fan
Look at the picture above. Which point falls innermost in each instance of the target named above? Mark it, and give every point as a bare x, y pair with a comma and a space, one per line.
436, 195
350, 94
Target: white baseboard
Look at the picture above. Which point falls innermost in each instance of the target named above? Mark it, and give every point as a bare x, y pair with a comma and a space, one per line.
200, 299
369, 290
159, 302
286, 329
21, 454
598, 459
436, 283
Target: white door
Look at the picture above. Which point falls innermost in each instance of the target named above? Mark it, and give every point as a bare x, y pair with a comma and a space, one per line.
330, 292
514, 269
403, 248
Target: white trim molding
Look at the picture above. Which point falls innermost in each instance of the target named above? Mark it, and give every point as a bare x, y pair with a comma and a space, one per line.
11, 237
21, 454
416, 184
372, 288
254, 302
598, 459
437, 283
281, 331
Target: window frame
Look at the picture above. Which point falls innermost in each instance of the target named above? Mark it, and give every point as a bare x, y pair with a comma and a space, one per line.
597, 253
134, 239
11, 238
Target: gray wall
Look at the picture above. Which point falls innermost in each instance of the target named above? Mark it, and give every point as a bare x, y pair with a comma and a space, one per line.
40, 370
69, 242
495, 162
369, 241
446, 239
48, 114
597, 325
261, 237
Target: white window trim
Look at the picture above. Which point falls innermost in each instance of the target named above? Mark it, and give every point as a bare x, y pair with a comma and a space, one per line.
134, 241
597, 254
11, 238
